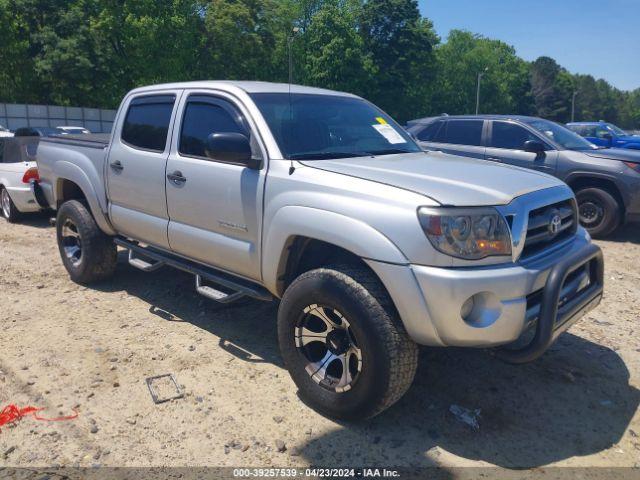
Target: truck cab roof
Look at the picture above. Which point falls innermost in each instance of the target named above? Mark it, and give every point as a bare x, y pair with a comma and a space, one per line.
244, 85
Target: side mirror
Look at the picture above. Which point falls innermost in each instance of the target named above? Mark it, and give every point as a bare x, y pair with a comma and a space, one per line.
533, 146
232, 148
608, 137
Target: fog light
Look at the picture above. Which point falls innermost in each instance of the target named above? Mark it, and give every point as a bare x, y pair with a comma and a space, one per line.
467, 308
481, 310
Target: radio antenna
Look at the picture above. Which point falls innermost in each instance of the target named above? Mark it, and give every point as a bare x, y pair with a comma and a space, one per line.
289, 42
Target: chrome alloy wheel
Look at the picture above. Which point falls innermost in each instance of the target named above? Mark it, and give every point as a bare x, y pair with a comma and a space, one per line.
71, 242
326, 342
6, 203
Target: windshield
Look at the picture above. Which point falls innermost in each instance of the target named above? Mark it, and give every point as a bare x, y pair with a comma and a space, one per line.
325, 126
564, 137
616, 130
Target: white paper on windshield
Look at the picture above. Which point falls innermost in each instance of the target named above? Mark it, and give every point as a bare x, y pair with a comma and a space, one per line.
388, 132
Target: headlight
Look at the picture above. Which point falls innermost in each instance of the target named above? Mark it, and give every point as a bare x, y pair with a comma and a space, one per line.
469, 233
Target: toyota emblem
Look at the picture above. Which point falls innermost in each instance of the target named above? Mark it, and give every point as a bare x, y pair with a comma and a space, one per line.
554, 224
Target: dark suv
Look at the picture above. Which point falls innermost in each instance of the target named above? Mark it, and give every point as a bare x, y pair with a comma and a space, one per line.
606, 181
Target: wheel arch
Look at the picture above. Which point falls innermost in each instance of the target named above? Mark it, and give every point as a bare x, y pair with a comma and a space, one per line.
306, 253
73, 184
580, 182
302, 238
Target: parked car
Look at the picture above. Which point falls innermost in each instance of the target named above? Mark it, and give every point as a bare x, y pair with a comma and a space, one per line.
70, 130
17, 170
322, 200
5, 132
606, 181
605, 134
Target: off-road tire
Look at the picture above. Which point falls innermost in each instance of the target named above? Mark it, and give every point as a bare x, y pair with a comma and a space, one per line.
611, 210
389, 356
99, 253
10, 213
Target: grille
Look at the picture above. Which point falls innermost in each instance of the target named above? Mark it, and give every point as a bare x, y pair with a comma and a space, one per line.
540, 235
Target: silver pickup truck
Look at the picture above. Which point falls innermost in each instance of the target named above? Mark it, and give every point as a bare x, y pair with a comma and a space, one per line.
319, 199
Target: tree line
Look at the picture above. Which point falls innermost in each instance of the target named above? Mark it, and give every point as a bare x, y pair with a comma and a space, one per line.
90, 52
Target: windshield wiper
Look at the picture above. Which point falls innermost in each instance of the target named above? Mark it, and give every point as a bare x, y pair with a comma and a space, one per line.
327, 155
391, 151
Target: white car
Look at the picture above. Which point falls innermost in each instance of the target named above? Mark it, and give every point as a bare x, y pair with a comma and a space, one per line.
17, 169
4, 132
73, 130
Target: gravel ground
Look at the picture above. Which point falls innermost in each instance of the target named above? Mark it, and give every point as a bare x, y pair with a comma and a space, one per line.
64, 346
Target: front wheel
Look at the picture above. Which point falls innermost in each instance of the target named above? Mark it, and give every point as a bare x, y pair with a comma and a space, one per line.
599, 212
87, 253
343, 343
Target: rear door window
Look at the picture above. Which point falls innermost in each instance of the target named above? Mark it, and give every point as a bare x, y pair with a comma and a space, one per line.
147, 122
510, 136
461, 132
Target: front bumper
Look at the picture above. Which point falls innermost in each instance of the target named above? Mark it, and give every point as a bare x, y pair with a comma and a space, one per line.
23, 199
508, 300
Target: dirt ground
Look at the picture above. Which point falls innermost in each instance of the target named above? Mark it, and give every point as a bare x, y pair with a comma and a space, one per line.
63, 346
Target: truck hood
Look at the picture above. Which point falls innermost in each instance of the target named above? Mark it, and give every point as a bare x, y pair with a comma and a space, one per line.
629, 138
622, 154
447, 179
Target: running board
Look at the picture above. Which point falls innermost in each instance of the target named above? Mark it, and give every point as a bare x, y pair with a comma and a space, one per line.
144, 266
239, 287
217, 295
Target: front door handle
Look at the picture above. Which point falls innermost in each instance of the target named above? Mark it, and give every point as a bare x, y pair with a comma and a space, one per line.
116, 165
493, 159
176, 178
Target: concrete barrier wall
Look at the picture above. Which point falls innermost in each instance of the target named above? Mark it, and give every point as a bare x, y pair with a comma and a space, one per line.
14, 115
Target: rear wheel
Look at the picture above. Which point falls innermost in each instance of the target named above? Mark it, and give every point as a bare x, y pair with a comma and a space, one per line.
343, 343
599, 211
87, 253
9, 210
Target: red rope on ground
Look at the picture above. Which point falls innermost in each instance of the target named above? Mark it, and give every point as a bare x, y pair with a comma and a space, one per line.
11, 414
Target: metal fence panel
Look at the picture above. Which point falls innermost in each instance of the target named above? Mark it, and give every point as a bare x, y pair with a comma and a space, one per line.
37, 111
91, 114
56, 112
16, 110
107, 115
14, 116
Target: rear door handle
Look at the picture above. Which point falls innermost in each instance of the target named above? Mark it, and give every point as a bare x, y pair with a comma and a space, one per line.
117, 165
176, 178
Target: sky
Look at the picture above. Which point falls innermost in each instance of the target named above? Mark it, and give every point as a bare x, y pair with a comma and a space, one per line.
596, 37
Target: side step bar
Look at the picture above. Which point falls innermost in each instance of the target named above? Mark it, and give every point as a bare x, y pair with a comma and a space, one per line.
142, 265
214, 294
239, 287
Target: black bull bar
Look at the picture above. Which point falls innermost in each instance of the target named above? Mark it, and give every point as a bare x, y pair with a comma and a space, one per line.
554, 318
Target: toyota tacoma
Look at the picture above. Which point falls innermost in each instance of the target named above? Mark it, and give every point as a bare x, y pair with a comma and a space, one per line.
321, 200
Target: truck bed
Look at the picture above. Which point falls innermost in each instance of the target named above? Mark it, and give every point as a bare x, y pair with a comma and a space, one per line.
77, 158
96, 140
